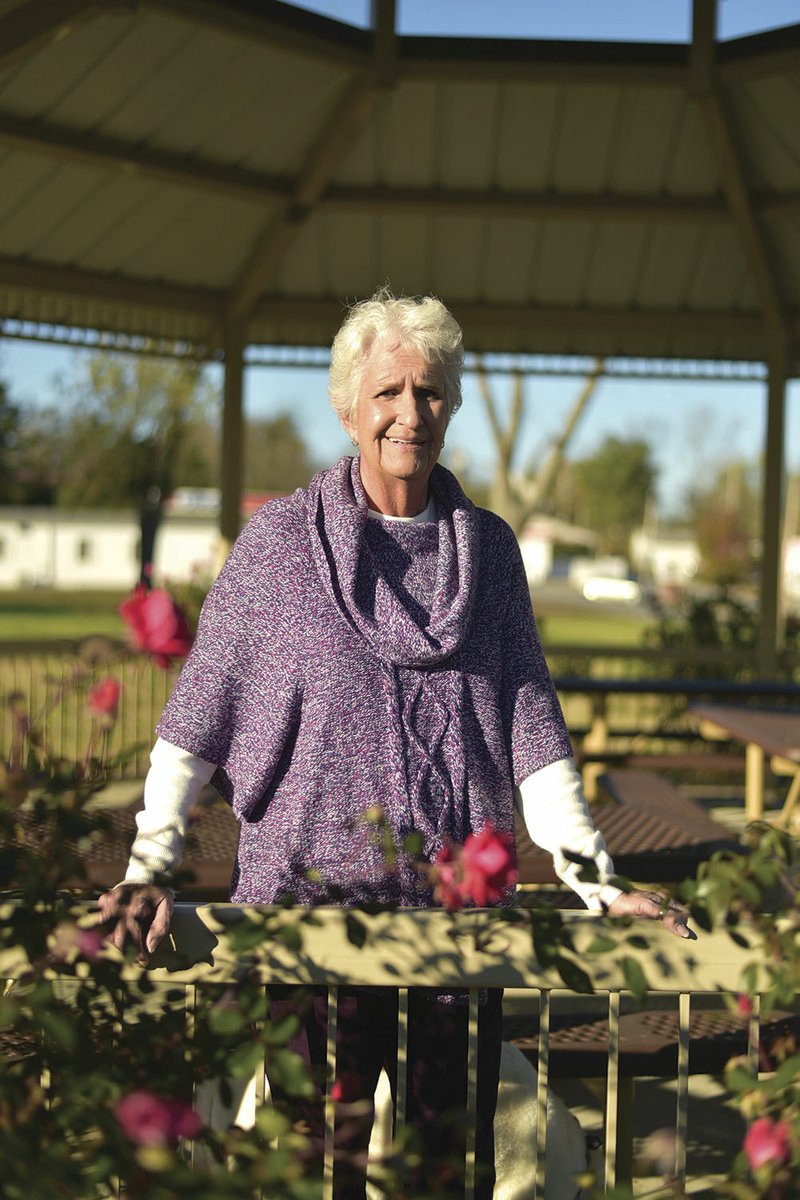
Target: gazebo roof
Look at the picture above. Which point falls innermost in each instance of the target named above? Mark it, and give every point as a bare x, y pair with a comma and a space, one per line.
170, 167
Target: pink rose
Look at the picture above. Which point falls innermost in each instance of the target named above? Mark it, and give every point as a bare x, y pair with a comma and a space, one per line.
446, 882
156, 624
148, 1120
744, 1006
184, 1121
489, 864
347, 1087
766, 1142
103, 700
89, 942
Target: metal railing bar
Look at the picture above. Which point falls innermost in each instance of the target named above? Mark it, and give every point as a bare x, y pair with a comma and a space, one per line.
754, 1036
682, 1101
401, 1097
472, 1093
333, 1018
542, 1087
612, 1092
190, 1008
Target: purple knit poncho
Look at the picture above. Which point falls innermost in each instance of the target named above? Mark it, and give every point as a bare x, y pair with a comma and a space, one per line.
343, 662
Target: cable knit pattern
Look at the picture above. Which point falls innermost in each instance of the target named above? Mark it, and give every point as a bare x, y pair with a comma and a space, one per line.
342, 663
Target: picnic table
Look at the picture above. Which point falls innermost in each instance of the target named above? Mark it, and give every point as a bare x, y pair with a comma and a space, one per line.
764, 732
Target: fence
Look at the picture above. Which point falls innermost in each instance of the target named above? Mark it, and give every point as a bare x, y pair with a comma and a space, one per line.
612, 694
472, 949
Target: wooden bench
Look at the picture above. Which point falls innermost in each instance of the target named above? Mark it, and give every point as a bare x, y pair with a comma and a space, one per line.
653, 832
578, 1048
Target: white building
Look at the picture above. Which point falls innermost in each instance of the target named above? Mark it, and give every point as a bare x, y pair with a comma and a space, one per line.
98, 549
666, 559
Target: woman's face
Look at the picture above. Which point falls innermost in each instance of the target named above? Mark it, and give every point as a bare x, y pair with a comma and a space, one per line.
399, 423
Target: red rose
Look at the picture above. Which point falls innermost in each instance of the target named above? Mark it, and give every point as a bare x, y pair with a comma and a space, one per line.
446, 882
184, 1121
489, 866
148, 1120
347, 1087
156, 624
744, 1006
766, 1142
103, 700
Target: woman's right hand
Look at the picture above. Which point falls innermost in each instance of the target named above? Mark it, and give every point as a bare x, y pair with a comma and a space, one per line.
139, 911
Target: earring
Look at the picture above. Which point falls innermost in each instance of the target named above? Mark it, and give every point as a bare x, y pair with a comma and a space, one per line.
354, 441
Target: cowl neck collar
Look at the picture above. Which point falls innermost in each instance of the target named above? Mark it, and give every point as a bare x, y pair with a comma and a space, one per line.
337, 518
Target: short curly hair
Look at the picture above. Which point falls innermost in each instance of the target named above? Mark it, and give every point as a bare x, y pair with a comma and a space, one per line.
419, 321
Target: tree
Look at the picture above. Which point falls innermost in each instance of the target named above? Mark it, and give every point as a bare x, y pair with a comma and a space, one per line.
9, 432
611, 490
132, 424
724, 516
517, 495
276, 458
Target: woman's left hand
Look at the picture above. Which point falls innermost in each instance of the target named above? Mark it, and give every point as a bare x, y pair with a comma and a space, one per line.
653, 907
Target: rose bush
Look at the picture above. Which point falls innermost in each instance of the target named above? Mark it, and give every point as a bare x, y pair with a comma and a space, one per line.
96, 1069
157, 625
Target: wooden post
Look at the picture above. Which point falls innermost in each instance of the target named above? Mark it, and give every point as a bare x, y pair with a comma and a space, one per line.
771, 631
232, 458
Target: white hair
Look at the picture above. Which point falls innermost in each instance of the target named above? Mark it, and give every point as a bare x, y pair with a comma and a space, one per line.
422, 322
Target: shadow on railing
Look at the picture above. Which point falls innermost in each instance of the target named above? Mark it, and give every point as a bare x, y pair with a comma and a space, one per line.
213, 948
616, 1002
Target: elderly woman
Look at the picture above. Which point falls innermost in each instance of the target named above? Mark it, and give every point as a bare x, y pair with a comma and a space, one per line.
370, 640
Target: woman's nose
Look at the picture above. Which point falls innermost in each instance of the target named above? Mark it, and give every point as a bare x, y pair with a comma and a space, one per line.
408, 406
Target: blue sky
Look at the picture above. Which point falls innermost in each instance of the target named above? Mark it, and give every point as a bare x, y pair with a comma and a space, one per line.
693, 427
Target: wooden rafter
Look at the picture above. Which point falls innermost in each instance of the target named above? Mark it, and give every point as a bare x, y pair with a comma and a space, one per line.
277, 25
211, 178
333, 141
24, 275
35, 25
733, 175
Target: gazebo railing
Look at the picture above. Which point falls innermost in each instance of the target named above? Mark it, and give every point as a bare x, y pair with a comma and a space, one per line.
473, 950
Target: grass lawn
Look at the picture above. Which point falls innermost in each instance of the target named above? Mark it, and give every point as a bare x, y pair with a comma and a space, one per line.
593, 629
41, 615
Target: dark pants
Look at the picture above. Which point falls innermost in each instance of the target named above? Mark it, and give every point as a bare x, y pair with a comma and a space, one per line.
437, 1084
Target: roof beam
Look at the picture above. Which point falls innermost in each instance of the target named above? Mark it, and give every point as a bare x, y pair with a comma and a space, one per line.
278, 25
704, 86
34, 26
204, 176
25, 275
565, 64
541, 206
69, 145
334, 139
289, 310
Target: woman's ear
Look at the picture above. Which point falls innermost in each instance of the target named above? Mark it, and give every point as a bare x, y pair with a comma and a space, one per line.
348, 425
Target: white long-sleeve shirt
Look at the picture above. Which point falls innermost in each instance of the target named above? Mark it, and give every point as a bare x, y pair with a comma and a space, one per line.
550, 800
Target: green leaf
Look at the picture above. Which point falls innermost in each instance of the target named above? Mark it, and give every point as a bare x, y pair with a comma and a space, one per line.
226, 1020
271, 1123
739, 1080
356, 930
601, 944
290, 1073
245, 1060
278, 1033
786, 1073
635, 978
60, 1028
573, 976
